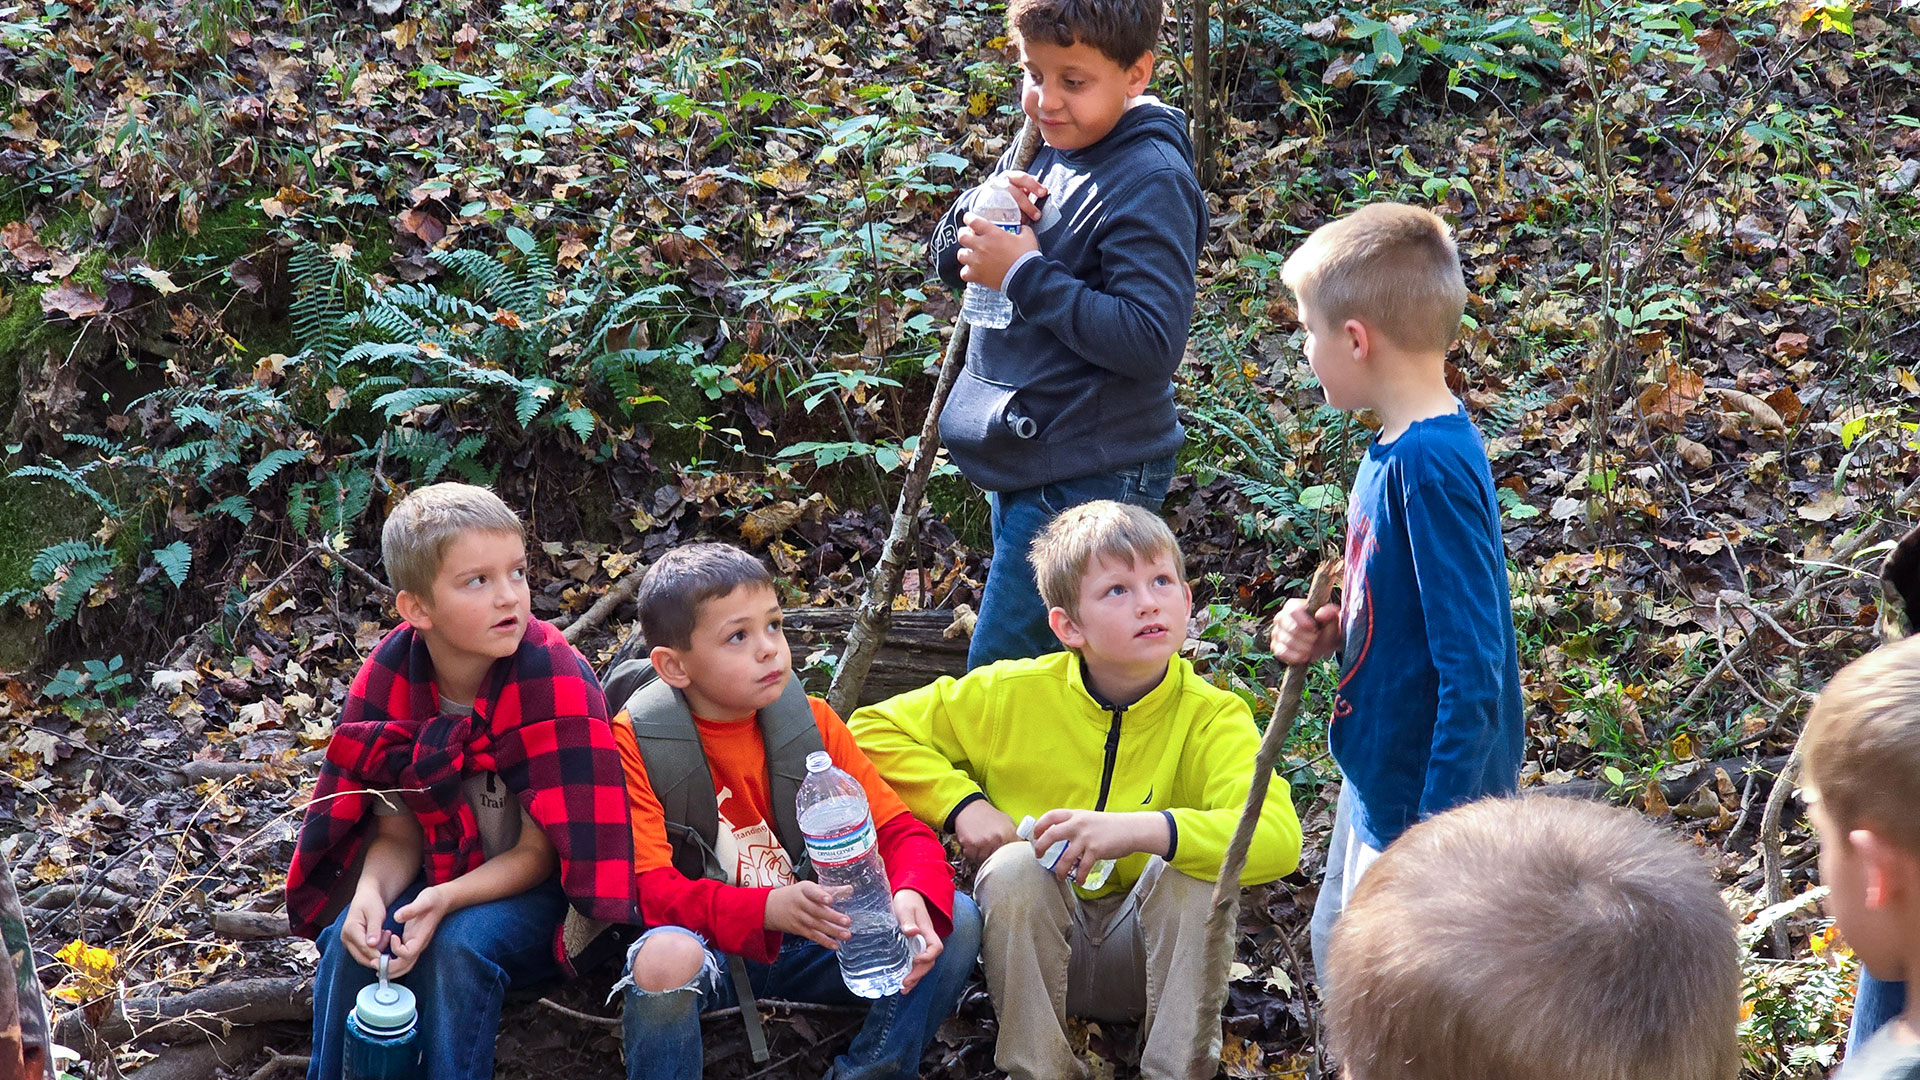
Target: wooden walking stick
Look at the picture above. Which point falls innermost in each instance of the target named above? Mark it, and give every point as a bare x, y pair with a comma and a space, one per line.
876, 607
1223, 915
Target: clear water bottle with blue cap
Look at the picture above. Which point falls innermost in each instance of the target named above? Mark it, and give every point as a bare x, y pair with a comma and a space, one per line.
985, 307
383, 1033
845, 852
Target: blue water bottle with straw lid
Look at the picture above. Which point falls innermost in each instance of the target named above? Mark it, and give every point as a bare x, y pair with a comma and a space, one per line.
383, 1036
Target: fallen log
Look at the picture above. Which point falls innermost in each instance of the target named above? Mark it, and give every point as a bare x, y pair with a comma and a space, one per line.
214, 1008
915, 651
252, 925
202, 1060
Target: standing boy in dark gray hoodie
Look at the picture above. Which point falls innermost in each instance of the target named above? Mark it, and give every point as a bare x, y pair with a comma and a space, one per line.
1073, 401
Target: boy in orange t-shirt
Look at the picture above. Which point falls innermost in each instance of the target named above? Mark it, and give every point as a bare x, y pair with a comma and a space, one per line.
713, 619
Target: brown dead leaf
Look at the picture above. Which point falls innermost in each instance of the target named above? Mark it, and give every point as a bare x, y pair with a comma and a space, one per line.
762, 525
1717, 47
1791, 346
1242, 1058
1787, 404
1339, 73
1764, 415
1654, 799
1829, 505
1667, 402
72, 301
24, 245
1692, 453
431, 230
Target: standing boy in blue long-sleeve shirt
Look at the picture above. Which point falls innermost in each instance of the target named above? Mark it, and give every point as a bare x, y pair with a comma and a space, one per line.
1073, 401
1428, 714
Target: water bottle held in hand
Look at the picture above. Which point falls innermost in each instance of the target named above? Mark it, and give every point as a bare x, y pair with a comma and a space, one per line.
383, 1036
988, 308
1096, 877
844, 849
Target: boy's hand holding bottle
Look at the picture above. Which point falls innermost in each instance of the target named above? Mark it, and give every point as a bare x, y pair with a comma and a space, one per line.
988, 251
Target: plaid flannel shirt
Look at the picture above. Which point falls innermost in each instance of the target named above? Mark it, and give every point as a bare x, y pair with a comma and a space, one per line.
540, 721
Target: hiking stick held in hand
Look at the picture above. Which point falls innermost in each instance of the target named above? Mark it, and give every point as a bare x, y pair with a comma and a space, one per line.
1223, 914
876, 607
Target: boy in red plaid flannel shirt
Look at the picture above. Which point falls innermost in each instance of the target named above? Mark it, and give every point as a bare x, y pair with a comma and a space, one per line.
472, 790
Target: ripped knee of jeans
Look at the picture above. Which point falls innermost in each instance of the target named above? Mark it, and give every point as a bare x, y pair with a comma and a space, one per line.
668, 960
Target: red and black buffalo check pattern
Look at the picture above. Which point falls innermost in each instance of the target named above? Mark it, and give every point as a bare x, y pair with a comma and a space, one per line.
540, 721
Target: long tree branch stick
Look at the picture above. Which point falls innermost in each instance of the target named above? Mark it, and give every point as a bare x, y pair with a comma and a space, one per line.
876, 607
1224, 913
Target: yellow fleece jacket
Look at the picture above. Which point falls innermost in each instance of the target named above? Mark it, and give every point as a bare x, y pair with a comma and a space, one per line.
1030, 736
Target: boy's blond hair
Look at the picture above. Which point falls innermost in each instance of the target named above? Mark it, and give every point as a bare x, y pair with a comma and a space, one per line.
1862, 744
1391, 266
1102, 529
1511, 939
684, 579
414, 540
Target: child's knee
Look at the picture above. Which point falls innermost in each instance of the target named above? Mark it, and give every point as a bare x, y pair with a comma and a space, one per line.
667, 962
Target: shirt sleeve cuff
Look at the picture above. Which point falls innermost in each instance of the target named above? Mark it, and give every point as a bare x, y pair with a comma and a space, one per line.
1173, 834
954, 814
1025, 258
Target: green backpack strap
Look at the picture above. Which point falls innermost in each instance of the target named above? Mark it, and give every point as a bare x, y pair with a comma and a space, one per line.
676, 769
788, 732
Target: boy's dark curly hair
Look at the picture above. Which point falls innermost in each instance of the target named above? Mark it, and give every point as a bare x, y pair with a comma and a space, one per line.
1124, 30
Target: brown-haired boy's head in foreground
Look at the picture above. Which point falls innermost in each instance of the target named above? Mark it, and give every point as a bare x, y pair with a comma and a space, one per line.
1514, 939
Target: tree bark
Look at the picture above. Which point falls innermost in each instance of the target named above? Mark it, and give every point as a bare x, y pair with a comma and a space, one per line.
876, 608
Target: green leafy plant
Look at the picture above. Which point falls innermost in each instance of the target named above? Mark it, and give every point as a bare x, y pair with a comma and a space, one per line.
93, 686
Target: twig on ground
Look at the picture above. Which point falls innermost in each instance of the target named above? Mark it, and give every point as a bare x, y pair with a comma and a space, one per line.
1770, 853
622, 592
365, 575
278, 1062
610, 1022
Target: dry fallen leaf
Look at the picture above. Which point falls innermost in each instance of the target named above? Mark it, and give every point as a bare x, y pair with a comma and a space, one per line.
72, 301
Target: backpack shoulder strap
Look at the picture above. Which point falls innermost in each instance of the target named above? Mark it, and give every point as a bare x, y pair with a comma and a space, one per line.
788, 732
676, 767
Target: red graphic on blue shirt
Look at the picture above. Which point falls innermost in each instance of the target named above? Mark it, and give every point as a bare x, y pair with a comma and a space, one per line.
1356, 607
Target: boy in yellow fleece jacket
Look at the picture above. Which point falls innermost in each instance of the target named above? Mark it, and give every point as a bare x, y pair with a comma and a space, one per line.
1021, 738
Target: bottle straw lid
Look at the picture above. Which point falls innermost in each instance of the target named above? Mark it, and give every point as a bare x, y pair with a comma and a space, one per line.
385, 1006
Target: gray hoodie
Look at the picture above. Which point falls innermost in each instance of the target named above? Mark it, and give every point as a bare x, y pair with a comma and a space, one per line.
1100, 317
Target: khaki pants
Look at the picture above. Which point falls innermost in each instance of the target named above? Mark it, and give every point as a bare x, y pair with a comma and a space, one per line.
1050, 954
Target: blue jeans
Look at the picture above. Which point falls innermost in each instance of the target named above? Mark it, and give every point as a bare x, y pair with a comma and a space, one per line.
662, 1030
1876, 1003
459, 982
1013, 618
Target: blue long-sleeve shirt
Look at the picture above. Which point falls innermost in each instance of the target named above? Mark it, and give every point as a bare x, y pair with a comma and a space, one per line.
1428, 715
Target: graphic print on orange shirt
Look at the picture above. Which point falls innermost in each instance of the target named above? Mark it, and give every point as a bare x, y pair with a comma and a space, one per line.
750, 852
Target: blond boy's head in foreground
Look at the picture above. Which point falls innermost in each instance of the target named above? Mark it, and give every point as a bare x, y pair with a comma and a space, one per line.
456, 556
1862, 753
712, 618
1381, 294
1115, 586
1513, 939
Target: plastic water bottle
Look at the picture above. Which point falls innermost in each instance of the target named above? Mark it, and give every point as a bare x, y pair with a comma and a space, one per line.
1096, 877
383, 1037
987, 308
843, 846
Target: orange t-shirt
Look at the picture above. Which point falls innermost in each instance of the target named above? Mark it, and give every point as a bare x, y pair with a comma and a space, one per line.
732, 914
